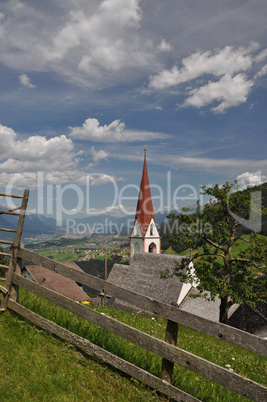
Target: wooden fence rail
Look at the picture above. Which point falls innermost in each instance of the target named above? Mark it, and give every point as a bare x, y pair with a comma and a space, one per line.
218, 330
167, 352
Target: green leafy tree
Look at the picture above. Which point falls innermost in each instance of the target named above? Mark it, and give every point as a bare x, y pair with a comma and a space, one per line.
212, 232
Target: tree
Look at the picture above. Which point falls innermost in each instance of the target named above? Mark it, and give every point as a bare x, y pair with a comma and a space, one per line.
212, 232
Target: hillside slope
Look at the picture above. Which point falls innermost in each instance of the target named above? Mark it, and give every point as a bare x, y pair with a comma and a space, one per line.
37, 366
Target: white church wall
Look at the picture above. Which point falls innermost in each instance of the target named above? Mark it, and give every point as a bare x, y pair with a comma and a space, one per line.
152, 230
136, 245
136, 229
187, 286
148, 241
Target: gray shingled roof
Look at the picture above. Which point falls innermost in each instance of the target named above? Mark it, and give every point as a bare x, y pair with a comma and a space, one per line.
203, 307
143, 276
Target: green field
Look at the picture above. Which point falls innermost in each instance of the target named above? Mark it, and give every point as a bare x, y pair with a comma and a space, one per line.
36, 366
66, 250
60, 256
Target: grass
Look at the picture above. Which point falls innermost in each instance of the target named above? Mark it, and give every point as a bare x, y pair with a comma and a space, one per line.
37, 366
62, 256
226, 355
240, 245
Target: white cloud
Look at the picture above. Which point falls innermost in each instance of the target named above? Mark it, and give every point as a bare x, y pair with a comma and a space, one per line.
36, 154
219, 62
252, 179
100, 179
229, 166
263, 71
98, 155
164, 46
38, 160
229, 91
230, 86
261, 56
112, 210
25, 80
7, 139
113, 132
77, 39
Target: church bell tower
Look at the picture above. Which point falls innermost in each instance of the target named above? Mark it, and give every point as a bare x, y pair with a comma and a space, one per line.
145, 236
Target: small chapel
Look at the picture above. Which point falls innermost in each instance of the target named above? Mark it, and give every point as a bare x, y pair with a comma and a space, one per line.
145, 236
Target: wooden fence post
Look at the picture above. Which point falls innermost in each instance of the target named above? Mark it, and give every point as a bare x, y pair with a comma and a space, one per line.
15, 265
14, 292
170, 337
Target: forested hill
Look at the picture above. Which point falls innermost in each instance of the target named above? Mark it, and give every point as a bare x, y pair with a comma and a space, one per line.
168, 227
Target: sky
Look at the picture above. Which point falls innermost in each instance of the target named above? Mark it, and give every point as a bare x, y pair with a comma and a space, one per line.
85, 84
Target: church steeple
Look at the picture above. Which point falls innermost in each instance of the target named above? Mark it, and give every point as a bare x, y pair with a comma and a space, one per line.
144, 236
144, 209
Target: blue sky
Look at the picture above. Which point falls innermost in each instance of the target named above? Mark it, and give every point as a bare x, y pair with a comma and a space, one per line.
85, 84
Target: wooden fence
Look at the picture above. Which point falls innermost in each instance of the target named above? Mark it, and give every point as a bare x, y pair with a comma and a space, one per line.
165, 349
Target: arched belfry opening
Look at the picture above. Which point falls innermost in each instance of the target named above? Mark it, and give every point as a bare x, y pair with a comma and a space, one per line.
152, 248
145, 234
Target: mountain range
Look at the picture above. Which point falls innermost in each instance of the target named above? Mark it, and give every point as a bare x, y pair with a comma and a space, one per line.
37, 225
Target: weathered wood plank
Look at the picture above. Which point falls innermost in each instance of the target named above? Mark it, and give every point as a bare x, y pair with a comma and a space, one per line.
9, 213
176, 355
5, 254
7, 230
11, 195
3, 289
6, 242
13, 265
218, 330
4, 266
102, 354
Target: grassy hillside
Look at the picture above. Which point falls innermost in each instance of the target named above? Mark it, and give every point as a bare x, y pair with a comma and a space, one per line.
35, 365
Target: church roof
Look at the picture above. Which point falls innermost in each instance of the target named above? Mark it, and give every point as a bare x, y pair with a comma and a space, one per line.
144, 209
143, 276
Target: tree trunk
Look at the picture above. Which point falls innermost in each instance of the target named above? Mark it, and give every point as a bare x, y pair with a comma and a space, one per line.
224, 307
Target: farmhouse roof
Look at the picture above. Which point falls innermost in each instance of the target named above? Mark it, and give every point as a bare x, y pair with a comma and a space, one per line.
58, 283
144, 209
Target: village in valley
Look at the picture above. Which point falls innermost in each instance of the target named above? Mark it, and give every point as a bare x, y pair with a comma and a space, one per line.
96, 247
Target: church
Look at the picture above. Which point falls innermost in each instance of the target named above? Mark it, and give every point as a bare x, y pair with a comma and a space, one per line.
145, 236
143, 275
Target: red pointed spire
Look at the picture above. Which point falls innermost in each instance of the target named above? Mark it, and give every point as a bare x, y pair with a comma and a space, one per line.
144, 210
